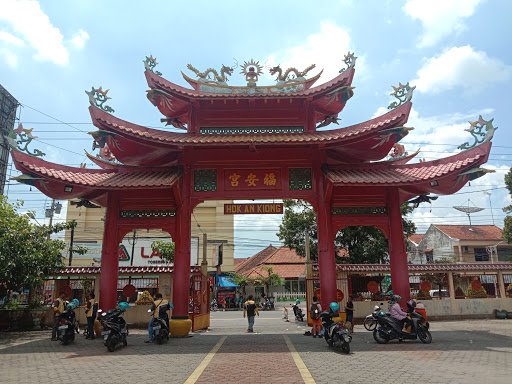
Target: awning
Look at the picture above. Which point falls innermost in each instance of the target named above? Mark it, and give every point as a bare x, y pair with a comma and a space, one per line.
225, 281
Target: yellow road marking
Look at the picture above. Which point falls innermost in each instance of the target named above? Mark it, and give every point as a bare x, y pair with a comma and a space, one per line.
304, 371
201, 367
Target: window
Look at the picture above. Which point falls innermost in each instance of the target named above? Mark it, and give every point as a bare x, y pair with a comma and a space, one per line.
504, 254
430, 256
465, 248
481, 254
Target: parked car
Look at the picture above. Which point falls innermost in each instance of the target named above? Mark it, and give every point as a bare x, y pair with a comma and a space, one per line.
435, 293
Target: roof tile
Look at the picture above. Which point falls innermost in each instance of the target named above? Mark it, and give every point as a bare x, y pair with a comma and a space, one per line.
471, 232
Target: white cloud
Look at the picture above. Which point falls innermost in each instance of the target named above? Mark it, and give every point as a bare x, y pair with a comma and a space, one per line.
27, 19
318, 49
440, 18
9, 38
80, 38
10, 58
461, 67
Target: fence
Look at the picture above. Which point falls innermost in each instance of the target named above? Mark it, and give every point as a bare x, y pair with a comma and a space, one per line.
141, 284
476, 285
289, 296
507, 281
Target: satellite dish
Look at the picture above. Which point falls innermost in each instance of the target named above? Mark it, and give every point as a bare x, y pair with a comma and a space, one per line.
468, 210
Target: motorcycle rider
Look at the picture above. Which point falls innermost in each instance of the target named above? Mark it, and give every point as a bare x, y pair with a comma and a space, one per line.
92, 310
296, 307
397, 313
59, 306
160, 307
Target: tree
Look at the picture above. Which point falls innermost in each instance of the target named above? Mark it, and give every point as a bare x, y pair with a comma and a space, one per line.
165, 248
240, 280
507, 228
27, 254
270, 279
365, 244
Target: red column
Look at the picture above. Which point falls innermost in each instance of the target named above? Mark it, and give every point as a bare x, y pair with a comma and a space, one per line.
181, 277
326, 259
397, 251
109, 255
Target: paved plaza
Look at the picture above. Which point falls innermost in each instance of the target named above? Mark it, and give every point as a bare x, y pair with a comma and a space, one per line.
462, 352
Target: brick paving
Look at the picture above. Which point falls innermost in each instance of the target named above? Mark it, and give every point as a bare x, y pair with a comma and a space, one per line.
462, 352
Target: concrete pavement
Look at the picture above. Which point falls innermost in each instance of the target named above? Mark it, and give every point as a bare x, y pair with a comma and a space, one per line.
461, 352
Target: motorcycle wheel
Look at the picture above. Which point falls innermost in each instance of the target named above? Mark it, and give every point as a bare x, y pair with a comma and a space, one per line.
424, 335
65, 341
345, 348
125, 342
111, 346
379, 338
370, 324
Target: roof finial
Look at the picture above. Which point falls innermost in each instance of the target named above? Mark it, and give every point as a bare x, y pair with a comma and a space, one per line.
476, 130
350, 61
98, 97
19, 136
150, 64
403, 93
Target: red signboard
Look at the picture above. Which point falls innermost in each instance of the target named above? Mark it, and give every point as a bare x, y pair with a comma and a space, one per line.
339, 294
252, 179
256, 209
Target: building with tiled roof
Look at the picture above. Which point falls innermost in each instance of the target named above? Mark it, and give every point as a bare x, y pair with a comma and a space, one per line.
463, 243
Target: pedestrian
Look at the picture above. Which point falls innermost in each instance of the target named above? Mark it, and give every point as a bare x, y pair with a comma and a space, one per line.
58, 307
92, 310
160, 307
224, 303
252, 310
349, 309
314, 313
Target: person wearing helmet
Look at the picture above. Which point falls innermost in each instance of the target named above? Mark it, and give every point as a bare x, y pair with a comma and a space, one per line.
411, 306
160, 307
314, 313
397, 313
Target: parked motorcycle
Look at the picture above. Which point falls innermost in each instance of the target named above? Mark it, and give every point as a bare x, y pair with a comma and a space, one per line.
268, 304
114, 326
390, 328
335, 333
67, 323
160, 329
297, 311
370, 322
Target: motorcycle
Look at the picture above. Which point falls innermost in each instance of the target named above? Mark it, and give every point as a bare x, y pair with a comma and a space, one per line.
160, 329
297, 312
370, 322
268, 304
390, 328
213, 306
114, 326
336, 335
68, 324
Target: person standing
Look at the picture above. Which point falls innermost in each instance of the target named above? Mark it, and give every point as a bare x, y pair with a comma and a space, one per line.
252, 310
314, 313
58, 307
349, 309
92, 310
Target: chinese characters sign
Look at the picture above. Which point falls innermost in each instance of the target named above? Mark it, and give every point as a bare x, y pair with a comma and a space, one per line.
252, 179
233, 209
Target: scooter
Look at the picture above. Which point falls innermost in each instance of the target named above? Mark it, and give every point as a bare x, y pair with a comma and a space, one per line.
390, 328
160, 329
370, 322
114, 326
268, 304
297, 312
68, 324
336, 335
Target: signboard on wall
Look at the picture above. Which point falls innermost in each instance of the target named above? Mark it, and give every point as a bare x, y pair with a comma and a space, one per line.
144, 255
254, 209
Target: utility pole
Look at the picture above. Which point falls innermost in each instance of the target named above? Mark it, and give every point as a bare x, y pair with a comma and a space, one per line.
55, 208
71, 245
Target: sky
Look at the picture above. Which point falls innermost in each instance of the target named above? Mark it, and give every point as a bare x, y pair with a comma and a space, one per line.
456, 52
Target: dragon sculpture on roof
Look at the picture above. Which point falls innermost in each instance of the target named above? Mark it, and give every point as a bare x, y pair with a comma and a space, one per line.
217, 79
282, 78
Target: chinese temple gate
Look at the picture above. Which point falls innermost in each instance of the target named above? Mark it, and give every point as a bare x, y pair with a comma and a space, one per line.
252, 142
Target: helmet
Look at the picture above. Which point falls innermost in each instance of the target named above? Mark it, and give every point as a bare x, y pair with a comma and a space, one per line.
335, 307
411, 304
396, 298
170, 304
73, 304
122, 306
297, 301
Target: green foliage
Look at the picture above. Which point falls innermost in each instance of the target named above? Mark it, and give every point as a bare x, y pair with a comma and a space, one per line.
507, 228
476, 294
26, 252
11, 305
445, 260
365, 244
165, 248
87, 286
271, 279
424, 295
241, 280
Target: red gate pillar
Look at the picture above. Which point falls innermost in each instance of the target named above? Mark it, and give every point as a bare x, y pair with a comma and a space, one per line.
109, 255
326, 259
397, 251
180, 323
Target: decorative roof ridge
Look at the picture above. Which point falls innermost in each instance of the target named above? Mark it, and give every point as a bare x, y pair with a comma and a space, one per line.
102, 163
103, 120
158, 82
402, 160
423, 267
481, 150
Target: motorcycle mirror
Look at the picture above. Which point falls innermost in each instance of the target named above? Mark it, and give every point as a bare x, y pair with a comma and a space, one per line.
99, 311
149, 310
